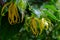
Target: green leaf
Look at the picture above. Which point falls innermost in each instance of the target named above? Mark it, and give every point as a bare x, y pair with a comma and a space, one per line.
22, 4
52, 7
50, 15
58, 4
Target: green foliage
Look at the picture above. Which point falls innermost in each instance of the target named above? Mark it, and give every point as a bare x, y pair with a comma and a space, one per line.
49, 10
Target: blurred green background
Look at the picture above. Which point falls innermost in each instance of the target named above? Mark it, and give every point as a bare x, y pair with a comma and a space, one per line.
48, 9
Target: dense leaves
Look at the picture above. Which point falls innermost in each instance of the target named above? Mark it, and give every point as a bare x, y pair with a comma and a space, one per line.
32, 19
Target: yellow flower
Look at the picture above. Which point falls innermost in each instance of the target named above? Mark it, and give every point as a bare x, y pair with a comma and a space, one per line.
33, 26
4, 8
43, 25
13, 15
